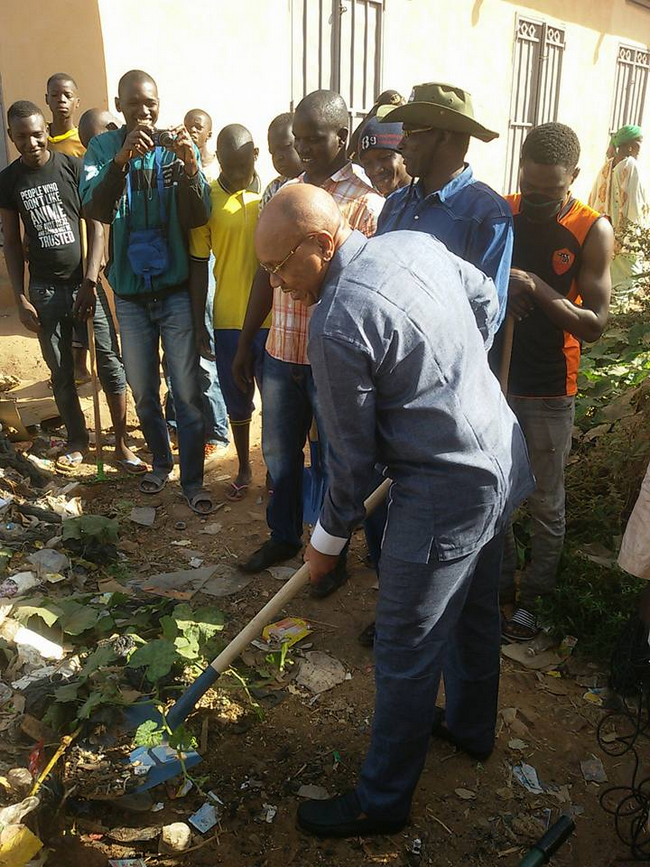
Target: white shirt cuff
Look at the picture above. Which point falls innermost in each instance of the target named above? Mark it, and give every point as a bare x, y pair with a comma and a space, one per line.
325, 543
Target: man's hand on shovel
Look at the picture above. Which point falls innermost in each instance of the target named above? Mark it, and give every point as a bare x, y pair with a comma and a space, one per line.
320, 565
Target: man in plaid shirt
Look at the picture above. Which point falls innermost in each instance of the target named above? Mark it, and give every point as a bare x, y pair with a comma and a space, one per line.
320, 129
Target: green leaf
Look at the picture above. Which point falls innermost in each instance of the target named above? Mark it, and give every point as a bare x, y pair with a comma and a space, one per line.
157, 657
148, 734
97, 660
182, 740
68, 692
188, 647
48, 612
169, 628
90, 526
93, 701
208, 620
77, 618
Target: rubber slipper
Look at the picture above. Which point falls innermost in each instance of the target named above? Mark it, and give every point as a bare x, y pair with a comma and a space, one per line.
67, 464
134, 467
236, 492
201, 497
522, 626
157, 484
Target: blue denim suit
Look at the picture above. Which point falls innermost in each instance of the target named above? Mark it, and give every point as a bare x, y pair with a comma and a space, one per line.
403, 381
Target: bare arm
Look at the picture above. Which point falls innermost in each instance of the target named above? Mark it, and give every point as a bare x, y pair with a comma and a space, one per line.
15, 259
95, 231
259, 307
198, 289
587, 321
86, 301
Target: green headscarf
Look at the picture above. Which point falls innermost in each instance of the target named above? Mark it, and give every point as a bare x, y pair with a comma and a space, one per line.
626, 134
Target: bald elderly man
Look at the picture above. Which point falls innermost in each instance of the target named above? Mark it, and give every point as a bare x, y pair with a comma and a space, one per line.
403, 381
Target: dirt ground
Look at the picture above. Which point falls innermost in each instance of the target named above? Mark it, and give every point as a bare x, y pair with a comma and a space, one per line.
301, 740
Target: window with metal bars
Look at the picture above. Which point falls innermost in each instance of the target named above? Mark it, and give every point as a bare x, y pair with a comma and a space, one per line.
630, 87
337, 45
538, 53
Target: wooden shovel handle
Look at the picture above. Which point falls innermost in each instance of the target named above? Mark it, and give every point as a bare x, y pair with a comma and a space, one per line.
506, 354
273, 607
93, 374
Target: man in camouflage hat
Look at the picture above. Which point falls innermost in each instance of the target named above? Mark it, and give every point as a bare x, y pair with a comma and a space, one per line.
445, 200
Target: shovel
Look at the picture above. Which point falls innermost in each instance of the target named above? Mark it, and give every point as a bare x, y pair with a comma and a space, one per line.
313, 480
163, 760
101, 475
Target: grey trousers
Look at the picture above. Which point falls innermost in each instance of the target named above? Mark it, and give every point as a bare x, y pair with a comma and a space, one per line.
547, 424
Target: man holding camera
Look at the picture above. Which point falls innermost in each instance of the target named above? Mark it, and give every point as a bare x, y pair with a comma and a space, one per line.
149, 187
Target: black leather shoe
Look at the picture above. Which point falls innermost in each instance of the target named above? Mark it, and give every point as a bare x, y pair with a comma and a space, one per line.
339, 817
270, 554
367, 637
330, 582
439, 730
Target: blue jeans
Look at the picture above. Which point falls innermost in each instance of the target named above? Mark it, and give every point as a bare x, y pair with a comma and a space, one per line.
54, 304
143, 326
240, 404
432, 619
288, 404
214, 407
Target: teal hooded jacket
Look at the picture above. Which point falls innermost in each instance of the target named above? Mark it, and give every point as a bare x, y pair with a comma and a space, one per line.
103, 193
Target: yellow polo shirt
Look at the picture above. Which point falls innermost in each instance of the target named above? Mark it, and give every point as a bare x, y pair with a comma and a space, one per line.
67, 143
229, 235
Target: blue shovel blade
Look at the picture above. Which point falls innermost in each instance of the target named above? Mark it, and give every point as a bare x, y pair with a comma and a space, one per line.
163, 763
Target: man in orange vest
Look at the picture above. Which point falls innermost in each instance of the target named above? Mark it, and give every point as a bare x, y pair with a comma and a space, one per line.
559, 295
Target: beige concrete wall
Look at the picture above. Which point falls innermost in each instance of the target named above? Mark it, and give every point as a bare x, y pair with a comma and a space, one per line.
232, 59
470, 43
37, 40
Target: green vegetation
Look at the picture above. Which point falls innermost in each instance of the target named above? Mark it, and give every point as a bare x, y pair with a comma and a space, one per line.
611, 451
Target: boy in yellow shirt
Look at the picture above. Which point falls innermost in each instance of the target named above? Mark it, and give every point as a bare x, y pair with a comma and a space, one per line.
229, 236
62, 99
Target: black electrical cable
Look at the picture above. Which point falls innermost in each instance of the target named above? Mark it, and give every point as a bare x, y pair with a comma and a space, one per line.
630, 679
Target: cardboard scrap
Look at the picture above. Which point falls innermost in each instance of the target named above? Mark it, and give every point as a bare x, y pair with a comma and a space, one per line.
281, 573
134, 835
536, 661
314, 793
143, 515
182, 584
465, 794
593, 770
319, 672
225, 581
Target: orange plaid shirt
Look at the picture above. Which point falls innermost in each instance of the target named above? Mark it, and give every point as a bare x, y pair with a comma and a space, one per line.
360, 204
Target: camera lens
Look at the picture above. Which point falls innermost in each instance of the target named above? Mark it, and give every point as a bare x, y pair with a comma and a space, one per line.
165, 138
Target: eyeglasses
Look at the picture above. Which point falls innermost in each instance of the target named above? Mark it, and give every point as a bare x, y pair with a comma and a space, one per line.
274, 269
409, 132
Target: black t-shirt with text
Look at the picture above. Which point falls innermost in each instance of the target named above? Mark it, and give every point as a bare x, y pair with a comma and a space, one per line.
49, 204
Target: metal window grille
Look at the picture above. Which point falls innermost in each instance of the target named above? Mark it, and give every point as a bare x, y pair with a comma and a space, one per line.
337, 45
630, 86
538, 55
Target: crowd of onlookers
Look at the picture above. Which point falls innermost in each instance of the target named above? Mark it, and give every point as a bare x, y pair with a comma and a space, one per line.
157, 234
